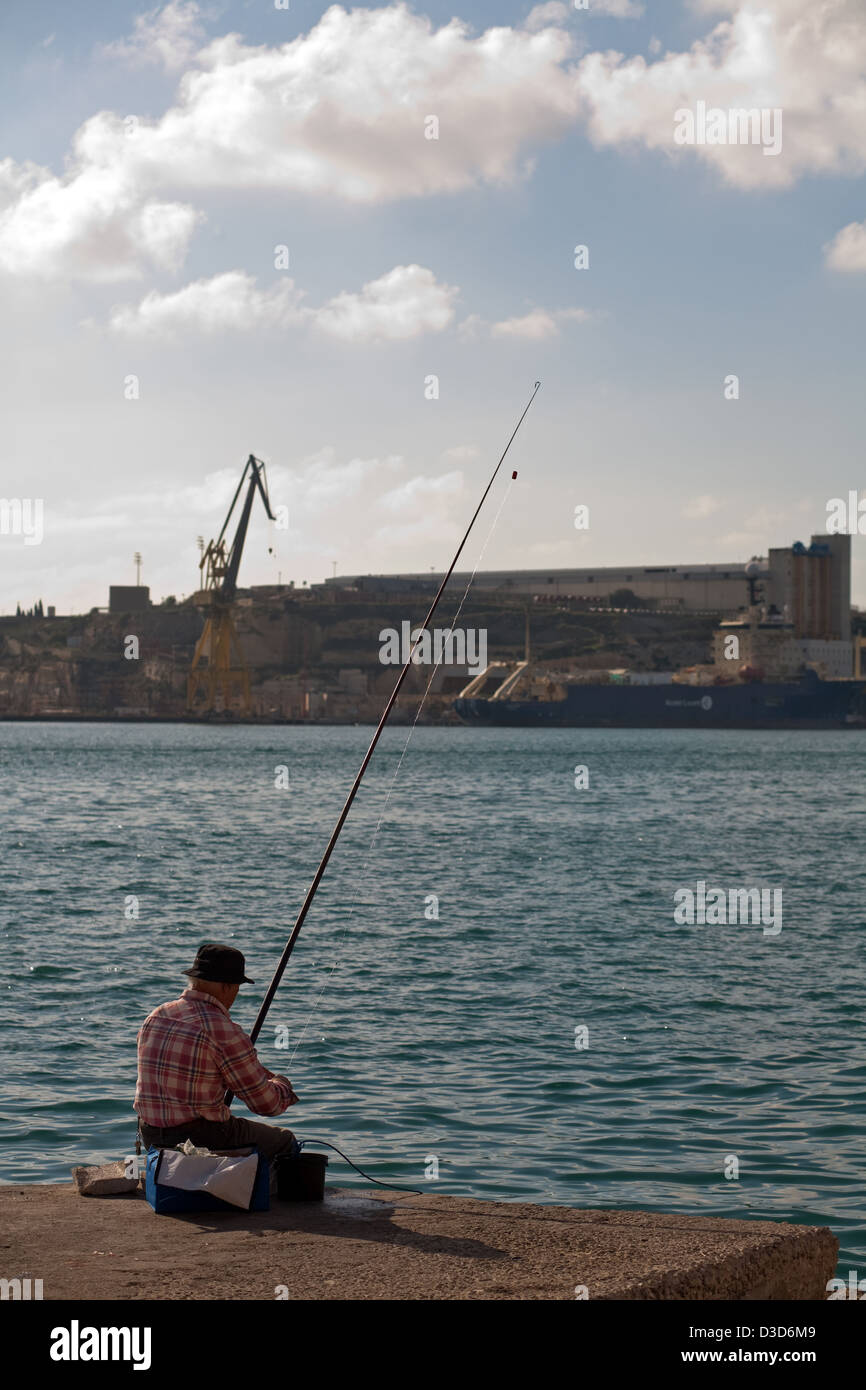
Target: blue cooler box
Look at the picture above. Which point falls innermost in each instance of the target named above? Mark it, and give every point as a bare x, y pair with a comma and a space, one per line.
168, 1200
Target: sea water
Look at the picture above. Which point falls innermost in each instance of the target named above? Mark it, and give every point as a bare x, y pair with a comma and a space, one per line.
491, 995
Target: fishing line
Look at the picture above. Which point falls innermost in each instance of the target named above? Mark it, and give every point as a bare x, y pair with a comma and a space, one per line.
359, 776
366, 865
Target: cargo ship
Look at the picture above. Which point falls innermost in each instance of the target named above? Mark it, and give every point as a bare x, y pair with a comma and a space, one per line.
763, 675
808, 703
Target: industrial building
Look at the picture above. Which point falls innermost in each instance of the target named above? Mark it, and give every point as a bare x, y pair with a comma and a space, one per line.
128, 598
803, 617
809, 586
679, 588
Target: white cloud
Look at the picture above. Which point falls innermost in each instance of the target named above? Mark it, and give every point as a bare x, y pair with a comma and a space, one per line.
168, 35
311, 489
423, 492
161, 509
847, 250
333, 500
338, 112
537, 325
341, 110
805, 58
404, 303
700, 507
16, 179
617, 9
320, 482
424, 508
470, 328
95, 227
210, 496
768, 522
461, 453
552, 12
227, 301
556, 12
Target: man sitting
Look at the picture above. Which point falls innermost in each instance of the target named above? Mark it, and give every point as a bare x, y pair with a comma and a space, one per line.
190, 1053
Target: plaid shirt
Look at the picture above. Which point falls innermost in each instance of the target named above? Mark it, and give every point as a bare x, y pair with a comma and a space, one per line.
189, 1053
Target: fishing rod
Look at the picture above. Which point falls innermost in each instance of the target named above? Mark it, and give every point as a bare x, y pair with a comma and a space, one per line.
335, 835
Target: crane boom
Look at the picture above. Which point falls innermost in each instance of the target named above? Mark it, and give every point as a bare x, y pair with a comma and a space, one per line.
256, 470
218, 662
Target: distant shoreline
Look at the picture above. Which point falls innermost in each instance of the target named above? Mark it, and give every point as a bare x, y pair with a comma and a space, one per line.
193, 719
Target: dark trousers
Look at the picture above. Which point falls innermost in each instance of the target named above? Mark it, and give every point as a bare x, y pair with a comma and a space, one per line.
235, 1133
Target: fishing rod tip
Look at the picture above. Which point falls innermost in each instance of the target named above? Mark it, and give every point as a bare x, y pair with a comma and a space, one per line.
537, 384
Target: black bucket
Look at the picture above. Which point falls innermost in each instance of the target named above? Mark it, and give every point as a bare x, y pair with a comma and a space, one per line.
302, 1179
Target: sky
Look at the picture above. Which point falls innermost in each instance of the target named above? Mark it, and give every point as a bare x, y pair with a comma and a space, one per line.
343, 240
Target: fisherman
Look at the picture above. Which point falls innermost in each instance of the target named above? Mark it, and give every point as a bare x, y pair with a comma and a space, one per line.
190, 1053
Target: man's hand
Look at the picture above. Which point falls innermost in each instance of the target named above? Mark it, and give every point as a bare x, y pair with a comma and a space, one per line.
293, 1099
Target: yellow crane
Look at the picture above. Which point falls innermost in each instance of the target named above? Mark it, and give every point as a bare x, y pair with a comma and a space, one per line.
218, 666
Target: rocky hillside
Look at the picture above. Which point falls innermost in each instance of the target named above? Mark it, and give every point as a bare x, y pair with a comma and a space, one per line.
308, 657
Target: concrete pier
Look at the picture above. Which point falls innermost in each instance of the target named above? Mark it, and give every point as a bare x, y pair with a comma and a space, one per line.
378, 1245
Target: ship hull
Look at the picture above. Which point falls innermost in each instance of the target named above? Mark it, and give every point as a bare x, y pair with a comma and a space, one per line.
807, 704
